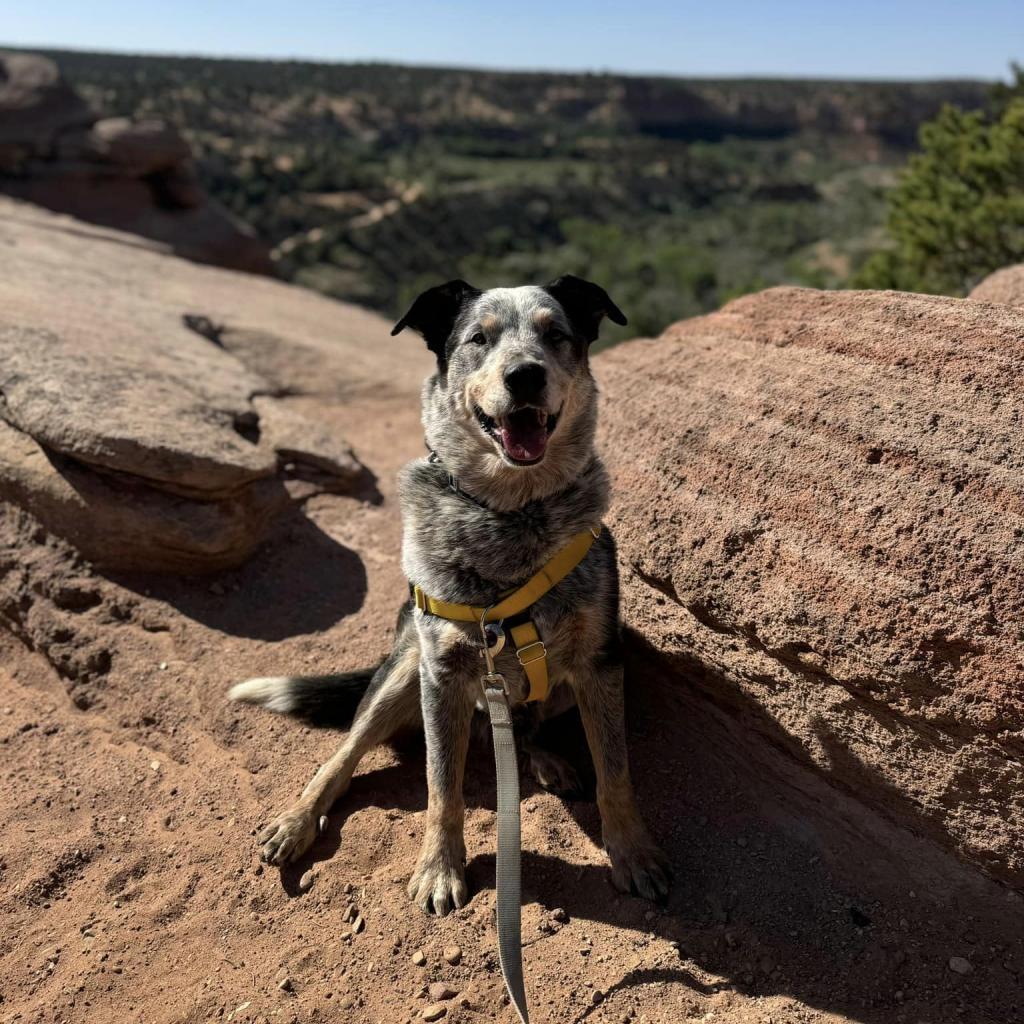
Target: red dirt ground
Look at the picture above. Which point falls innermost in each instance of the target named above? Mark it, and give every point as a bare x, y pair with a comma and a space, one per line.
130, 888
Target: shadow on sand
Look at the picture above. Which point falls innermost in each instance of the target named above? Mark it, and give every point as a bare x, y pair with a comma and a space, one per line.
303, 581
784, 886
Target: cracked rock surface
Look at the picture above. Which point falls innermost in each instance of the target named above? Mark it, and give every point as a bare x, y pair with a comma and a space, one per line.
139, 440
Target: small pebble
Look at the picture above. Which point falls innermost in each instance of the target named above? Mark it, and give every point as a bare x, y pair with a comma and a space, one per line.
453, 954
559, 915
306, 881
350, 913
285, 984
960, 965
419, 958
358, 924
439, 992
435, 1011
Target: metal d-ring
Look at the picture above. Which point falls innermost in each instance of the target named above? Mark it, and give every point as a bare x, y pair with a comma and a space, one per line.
489, 652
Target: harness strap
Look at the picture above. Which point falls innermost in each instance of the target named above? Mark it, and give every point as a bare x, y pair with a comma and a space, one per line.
530, 649
533, 656
552, 572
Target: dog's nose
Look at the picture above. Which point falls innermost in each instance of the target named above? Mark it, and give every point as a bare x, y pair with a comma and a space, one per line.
525, 381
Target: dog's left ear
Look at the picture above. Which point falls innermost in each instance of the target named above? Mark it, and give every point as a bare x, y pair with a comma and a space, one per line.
433, 314
585, 303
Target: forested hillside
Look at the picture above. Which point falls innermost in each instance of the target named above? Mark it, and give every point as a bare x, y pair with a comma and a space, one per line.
370, 180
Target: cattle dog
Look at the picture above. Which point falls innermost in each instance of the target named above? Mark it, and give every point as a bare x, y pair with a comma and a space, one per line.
511, 476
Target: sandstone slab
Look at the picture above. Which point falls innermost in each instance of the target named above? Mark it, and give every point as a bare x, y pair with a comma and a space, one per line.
122, 522
173, 413
142, 442
820, 507
1005, 286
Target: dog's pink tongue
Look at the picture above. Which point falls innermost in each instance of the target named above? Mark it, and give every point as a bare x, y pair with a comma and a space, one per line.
524, 441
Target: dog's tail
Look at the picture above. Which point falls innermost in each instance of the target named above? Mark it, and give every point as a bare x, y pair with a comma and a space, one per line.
321, 700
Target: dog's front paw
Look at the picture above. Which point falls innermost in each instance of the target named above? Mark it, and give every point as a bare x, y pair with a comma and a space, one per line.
640, 867
438, 885
288, 836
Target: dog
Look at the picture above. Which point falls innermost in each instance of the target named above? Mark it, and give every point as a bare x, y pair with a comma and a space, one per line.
512, 476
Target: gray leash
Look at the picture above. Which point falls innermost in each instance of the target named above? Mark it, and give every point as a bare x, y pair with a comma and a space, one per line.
510, 945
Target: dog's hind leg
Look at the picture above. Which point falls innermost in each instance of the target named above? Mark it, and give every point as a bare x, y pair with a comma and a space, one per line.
637, 863
551, 771
390, 705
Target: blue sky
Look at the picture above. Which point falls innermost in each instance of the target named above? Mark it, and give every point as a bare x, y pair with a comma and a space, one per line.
823, 38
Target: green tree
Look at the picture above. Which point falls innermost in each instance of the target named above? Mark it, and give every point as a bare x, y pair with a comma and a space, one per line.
1004, 93
957, 212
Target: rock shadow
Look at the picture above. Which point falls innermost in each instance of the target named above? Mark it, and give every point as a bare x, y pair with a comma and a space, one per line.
300, 581
785, 888
784, 885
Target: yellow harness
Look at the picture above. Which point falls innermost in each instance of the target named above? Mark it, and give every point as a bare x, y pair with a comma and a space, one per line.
530, 649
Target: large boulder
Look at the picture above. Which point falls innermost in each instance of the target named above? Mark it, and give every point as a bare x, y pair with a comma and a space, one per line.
1005, 286
820, 508
132, 434
137, 176
175, 412
36, 105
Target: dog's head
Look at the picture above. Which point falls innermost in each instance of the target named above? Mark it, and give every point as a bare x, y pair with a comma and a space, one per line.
513, 399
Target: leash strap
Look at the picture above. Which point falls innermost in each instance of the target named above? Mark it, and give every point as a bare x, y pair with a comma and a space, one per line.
510, 945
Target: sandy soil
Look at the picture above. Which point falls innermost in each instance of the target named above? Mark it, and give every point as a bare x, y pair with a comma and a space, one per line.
130, 889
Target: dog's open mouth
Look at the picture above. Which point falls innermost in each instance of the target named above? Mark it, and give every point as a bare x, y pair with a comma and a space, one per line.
522, 434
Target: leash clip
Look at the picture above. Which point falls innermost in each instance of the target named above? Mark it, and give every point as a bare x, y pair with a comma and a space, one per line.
494, 682
493, 636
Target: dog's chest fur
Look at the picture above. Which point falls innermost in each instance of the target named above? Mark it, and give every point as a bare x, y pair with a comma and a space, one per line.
458, 550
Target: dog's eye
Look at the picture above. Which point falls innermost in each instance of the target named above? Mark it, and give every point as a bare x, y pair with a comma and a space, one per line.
556, 334
479, 338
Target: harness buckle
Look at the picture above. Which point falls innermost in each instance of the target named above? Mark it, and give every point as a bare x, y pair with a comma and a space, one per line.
542, 653
420, 598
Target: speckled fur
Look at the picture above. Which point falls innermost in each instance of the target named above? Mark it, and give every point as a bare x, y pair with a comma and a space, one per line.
472, 544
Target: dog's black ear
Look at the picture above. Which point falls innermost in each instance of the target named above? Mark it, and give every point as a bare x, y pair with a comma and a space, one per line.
584, 303
433, 314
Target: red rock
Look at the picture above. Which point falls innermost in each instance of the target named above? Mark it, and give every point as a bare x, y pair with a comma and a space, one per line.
35, 104
825, 491
1005, 286
143, 443
133, 175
